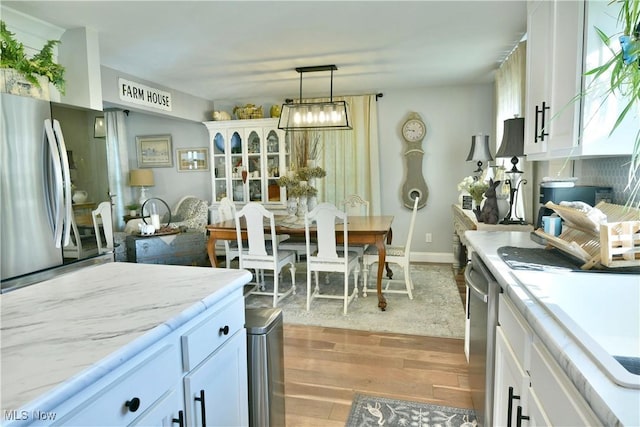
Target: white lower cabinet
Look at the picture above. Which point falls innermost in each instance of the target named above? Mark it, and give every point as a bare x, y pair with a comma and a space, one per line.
562, 403
530, 387
510, 382
164, 412
215, 390
194, 376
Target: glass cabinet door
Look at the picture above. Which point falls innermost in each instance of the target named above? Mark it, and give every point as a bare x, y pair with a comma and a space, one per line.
254, 165
274, 166
219, 166
238, 167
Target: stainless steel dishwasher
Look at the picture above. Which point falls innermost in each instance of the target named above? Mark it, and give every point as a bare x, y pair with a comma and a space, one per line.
483, 317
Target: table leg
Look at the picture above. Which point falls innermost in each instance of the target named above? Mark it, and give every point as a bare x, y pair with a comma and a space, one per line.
456, 253
382, 254
389, 238
211, 250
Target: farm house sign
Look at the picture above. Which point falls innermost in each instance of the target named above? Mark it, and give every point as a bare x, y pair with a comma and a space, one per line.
137, 93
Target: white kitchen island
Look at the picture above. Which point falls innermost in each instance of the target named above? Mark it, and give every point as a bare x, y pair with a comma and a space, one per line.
123, 343
539, 300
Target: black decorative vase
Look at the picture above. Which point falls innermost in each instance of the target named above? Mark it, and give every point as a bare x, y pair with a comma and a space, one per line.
476, 211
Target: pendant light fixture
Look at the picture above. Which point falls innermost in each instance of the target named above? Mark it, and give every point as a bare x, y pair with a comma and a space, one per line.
314, 115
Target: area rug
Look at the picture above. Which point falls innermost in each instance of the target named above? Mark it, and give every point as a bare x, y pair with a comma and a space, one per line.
436, 309
379, 411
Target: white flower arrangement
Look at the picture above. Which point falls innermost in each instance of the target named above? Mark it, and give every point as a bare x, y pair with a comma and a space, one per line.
473, 186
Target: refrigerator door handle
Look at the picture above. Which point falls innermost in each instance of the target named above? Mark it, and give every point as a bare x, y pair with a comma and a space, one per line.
57, 196
66, 182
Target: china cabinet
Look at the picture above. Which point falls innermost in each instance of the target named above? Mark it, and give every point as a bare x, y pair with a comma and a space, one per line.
562, 44
248, 157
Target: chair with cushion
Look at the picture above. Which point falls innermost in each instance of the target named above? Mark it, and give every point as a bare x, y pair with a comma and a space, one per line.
103, 227
394, 254
191, 212
330, 257
261, 254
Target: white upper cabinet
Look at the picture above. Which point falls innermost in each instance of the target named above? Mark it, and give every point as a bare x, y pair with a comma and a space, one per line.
567, 114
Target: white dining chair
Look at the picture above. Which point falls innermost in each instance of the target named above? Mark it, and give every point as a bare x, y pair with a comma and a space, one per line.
354, 205
103, 227
330, 257
227, 212
261, 254
396, 255
80, 245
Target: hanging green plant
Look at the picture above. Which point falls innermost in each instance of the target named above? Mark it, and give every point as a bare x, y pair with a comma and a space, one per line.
624, 81
13, 56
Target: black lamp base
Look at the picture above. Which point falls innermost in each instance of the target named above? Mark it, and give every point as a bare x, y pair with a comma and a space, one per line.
513, 222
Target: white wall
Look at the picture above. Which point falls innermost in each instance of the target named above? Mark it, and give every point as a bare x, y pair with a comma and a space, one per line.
184, 106
170, 185
452, 116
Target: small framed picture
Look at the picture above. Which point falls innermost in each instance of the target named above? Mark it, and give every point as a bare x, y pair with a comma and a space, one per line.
154, 151
192, 159
467, 202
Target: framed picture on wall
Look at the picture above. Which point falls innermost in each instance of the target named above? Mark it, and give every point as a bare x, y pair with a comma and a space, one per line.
192, 159
154, 151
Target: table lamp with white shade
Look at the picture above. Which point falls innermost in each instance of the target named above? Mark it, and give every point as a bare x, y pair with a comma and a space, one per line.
479, 151
141, 178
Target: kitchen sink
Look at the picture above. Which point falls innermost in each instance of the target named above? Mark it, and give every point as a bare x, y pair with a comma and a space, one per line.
631, 364
600, 310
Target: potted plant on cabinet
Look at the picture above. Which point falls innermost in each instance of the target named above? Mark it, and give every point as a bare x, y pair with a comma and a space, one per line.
133, 208
28, 76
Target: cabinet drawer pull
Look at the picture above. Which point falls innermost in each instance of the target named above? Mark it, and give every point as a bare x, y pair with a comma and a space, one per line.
179, 420
520, 417
133, 404
510, 406
225, 330
542, 112
203, 410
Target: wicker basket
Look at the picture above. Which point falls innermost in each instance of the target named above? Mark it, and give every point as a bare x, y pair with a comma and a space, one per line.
248, 112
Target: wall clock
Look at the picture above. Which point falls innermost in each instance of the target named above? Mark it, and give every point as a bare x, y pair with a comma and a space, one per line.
413, 132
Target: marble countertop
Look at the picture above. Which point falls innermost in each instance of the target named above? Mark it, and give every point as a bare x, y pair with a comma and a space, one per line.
77, 324
613, 404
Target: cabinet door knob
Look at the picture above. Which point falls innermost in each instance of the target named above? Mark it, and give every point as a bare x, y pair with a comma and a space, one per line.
225, 330
179, 420
133, 404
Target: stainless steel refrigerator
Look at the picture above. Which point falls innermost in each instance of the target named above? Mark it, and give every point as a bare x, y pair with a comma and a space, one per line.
35, 191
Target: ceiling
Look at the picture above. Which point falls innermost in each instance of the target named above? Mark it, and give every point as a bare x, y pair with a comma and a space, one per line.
234, 50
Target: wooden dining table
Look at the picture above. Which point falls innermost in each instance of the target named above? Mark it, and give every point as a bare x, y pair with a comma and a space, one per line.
372, 230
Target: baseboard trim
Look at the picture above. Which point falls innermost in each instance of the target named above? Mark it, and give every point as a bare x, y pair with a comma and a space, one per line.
438, 257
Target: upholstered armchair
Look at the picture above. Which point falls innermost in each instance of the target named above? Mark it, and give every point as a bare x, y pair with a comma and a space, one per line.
192, 213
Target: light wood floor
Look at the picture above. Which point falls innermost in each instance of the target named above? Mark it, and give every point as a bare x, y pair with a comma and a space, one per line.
325, 367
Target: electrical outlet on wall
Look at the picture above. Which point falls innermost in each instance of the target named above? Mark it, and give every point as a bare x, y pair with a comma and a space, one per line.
428, 238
